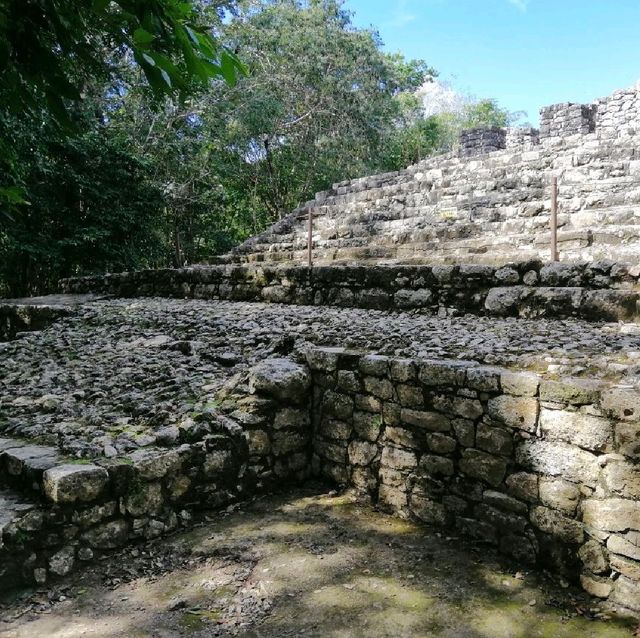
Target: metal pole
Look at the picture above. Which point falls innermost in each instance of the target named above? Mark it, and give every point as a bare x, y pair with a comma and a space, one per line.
554, 219
310, 239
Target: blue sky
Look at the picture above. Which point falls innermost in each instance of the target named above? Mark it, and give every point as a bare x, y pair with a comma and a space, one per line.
524, 53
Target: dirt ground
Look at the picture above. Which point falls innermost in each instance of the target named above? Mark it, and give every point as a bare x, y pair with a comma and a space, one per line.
308, 563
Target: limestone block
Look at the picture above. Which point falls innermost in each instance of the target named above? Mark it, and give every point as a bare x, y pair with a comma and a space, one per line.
280, 378
483, 378
145, 500
586, 431
503, 502
71, 483
398, 459
410, 396
628, 439
466, 408
362, 452
441, 443
494, 440
571, 391
559, 494
92, 515
524, 384
402, 437
331, 451
465, 431
291, 418
431, 421
502, 520
559, 459
442, 373
367, 425
626, 544
108, 535
413, 298
612, 514
626, 593
558, 525
516, 412
626, 567
337, 404
379, 388
349, 381
427, 510
217, 462
623, 479
403, 370
593, 557
596, 586
480, 465
333, 429
324, 359
374, 365
258, 441
152, 464
284, 442
436, 465
62, 562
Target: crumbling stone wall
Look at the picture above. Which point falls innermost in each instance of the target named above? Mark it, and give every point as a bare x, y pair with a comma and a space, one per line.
78, 510
598, 290
484, 205
563, 120
547, 470
482, 140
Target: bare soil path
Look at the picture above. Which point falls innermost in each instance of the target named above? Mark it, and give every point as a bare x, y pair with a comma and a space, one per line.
308, 563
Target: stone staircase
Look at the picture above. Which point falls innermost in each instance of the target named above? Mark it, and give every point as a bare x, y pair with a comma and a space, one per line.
489, 208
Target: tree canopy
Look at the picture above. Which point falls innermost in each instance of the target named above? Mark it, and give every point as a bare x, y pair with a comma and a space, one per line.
132, 135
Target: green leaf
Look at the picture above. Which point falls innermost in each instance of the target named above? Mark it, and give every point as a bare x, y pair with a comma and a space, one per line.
148, 59
142, 37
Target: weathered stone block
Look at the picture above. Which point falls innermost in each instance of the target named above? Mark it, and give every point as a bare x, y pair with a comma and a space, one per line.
338, 404
559, 459
465, 431
413, 298
374, 365
593, 557
403, 370
501, 520
503, 502
258, 442
483, 378
291, 418
367, 425
427, 510
521, 384
402, 437
72, 483
324, 359
626, 544
285, 442
62, 562
107, 536
333, 429
362, 452
571, 391
379, 388
442, 373
410, 396
436, 465
281, 378
466, 408
612, 514
516, 412
622, 479
145, 500
552, 522
151, 464
398, 459
441, 443
583, 430
431, 421
559, 494
481, 465
494, 440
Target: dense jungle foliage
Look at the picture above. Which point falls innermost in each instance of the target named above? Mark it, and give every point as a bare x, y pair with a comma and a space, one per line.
137, 134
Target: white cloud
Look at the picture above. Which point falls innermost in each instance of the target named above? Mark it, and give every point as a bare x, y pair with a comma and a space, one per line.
519, 4
401, 14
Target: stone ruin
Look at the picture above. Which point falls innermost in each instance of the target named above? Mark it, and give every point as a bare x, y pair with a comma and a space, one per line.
431, 360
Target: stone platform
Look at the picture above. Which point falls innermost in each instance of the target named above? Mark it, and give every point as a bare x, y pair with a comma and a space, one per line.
127, 414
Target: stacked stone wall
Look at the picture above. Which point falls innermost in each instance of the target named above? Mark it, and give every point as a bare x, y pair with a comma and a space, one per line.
546, 470
564, 120
479, 141
598, 290
74, 510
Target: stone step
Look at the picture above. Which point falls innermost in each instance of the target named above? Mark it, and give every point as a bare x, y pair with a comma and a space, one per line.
22, 464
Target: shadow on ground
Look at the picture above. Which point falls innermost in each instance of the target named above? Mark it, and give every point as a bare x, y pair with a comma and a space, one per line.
309, 563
